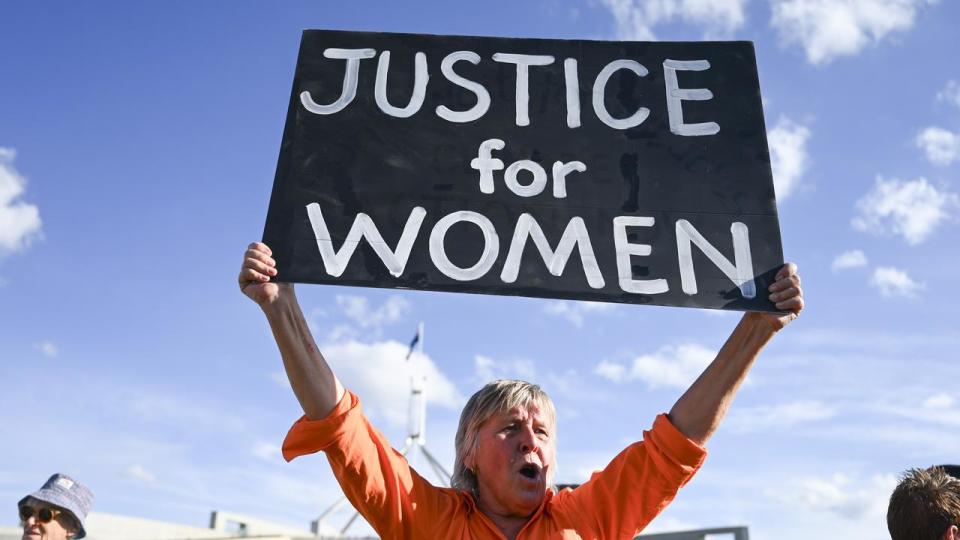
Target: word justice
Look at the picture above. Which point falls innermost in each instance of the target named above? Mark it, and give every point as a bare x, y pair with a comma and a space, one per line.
335, 262
523, 62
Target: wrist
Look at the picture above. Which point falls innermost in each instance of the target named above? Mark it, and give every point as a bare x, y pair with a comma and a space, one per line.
285, 300
759, 326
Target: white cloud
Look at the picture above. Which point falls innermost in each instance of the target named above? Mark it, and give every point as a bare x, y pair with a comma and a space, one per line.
267, 452
379, 373
139, 473
670, 366
342, 332
939, 401
788, 155
570, 384
941, 146
486, 369
828, 29
912, 209
767, 417
940, 408
19, 221
483, 367
576, 311
358, 309
892, 282
849, 259
950, 93
636, 18
840, 494
48, 349
611, 370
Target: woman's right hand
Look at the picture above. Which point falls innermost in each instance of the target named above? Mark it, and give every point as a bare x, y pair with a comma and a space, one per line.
255, 273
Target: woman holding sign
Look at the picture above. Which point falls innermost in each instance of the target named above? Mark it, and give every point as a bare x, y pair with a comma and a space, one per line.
506, 440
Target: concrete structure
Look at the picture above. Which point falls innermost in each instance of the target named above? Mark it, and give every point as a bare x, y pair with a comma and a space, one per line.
223, 526
725, 533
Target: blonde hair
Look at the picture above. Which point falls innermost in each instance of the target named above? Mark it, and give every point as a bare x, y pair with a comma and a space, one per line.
495, 397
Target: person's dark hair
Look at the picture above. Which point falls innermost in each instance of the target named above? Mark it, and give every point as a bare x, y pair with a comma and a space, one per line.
70, 522
952, 470
924, 505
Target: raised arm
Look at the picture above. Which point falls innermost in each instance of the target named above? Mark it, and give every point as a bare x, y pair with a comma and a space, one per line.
698, 413
314, 383
376, 479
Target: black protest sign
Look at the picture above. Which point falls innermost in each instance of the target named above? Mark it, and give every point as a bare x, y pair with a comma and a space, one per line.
628, 172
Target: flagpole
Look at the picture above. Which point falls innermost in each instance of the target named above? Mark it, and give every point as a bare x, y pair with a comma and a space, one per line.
420, 333
423, 397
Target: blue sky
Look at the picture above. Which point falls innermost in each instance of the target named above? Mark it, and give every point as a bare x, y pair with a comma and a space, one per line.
139, 143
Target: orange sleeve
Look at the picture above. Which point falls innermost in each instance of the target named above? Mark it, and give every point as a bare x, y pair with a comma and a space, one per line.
376, 479
310, 436
620, 500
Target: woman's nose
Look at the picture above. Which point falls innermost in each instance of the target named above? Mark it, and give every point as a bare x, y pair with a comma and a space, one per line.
528, 440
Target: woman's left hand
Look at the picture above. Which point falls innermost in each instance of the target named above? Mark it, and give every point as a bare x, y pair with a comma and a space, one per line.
786, 295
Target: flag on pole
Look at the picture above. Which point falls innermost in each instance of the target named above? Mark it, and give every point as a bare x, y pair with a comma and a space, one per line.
413, 343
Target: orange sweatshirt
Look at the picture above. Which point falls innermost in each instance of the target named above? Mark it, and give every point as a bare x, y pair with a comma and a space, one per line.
617, 502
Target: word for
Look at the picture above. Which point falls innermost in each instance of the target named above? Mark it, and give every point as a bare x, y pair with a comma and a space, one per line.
486, 164
335, 262
523, 62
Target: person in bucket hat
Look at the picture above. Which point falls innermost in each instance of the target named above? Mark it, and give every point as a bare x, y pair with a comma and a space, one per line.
56, 511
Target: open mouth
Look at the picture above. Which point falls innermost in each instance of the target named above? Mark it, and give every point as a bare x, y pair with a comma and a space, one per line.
530, 471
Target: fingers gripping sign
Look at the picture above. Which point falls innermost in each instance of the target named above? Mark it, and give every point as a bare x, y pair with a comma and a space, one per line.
786, 295
255, 273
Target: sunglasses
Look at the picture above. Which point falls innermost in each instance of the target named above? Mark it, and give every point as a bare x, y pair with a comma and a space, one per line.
44, 515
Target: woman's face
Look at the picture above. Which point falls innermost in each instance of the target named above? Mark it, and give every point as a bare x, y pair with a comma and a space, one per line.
57, 528
513, 461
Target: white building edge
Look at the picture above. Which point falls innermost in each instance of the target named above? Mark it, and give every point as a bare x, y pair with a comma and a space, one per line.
223, 526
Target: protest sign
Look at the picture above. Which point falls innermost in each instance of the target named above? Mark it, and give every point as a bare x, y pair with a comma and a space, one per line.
632, 172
